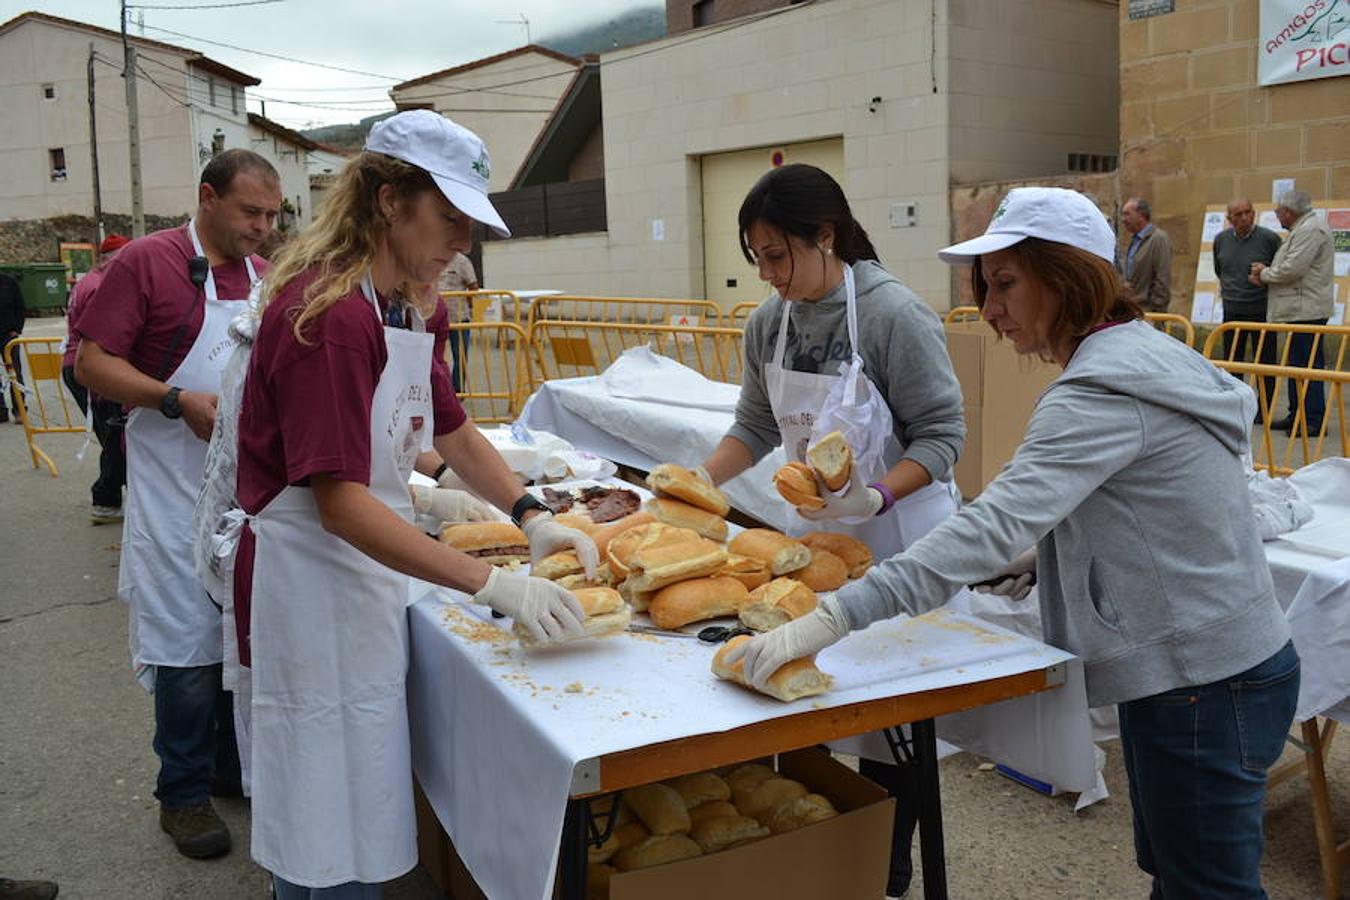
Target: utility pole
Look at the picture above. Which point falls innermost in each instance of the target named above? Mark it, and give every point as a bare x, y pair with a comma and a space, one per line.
133, 129
93, 154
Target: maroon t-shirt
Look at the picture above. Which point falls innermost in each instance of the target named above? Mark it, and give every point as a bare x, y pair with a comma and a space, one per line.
84, 289
306, 409
147, 310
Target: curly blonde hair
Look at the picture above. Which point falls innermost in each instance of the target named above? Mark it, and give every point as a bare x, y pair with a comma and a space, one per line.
341, 241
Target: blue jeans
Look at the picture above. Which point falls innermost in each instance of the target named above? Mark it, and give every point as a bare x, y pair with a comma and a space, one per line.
352, 890
1315, 404
194, 734
1197, 758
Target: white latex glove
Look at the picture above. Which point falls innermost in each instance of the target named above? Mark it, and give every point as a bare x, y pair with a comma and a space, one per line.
1015, 581
702, 475
450, 481
547, 537
450, 506
549, 612
857, 500
767, 653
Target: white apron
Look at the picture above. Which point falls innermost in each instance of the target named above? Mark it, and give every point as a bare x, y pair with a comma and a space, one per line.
807, 407
173, 623
332, 767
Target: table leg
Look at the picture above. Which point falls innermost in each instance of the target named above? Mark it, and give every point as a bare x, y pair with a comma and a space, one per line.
573, 851
1324, 823
932, 851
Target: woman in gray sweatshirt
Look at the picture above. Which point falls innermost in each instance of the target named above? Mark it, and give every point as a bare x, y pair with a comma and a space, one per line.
1129, 485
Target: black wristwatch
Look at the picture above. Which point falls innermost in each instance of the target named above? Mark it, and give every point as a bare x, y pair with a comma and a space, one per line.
169, 404
526, 503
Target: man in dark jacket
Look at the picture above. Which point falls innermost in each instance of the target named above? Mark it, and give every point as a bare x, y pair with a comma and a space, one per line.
11, 326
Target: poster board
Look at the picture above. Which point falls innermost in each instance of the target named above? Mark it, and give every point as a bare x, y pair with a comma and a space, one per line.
1206, 302
78, 258
1302, 39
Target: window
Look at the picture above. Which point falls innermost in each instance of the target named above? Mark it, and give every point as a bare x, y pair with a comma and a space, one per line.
217, 143
234, 99
49, 92
210, 90
56, 157
703, 13
1091, 162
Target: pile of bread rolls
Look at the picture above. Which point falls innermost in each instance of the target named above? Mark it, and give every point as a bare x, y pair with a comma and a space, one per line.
697, 814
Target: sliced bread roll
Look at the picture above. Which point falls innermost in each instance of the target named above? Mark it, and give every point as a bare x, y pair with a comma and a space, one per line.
778, 551
777, 603
720, 833
801, 811
657, 850
832, 459
825, 572
699, 788
766, 798
621, 548
660, 807
670, 480
496, 543
695, 600
855, 554
557, 565
797, 485
606, 614
686, 515
747, 570
713, 809
578, 520
657, 566
606, 533
794, 680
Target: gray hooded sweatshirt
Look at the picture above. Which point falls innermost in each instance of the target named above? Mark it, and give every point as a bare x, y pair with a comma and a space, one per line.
1130, 485
904, 351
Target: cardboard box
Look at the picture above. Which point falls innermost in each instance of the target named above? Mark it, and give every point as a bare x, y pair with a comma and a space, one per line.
841, 858
999, 389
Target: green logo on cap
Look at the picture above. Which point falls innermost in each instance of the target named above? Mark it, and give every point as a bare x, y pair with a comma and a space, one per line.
1002, 208
480, 166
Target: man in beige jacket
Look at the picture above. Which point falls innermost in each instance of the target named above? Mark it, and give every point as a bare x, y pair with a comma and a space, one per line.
1147, 264
1301, 293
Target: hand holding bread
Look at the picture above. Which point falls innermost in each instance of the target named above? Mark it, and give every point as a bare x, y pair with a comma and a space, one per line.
546, 537
759, 661
794, 679
605, 613
547, 612
828, 468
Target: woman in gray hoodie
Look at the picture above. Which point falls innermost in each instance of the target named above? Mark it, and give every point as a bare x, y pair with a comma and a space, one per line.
1130, 486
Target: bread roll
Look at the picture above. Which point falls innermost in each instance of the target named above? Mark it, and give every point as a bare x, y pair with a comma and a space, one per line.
719, 833
700, 788
777, 603
855, 554
778, 551
557, 565
744, 780
797, 485
801, 811
695, 600
496, 543
747, 570
660, 808
606, 533
670, 480
825, 572
578, 520
772, 793
832, 459
606, 614
621, 548
799, 678
657, 566
657, 850
686, 515
605, 851
630, 833
711, 810
576, 582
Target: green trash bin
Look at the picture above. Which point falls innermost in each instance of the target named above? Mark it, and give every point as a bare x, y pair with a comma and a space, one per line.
43, 286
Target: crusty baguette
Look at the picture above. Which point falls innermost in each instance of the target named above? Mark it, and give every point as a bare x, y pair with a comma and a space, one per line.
777, 603
797, 485
825, 572
711, 810
794, 680
598, 625
832, 459
720, 833
670, 480
781, 553
686, 515
657, 850
699, 788
770, 794
747, 570
557, 565
606, 533
801, 811
855, 554
696, 599
476, 537
622, 547
660, 808
657, 566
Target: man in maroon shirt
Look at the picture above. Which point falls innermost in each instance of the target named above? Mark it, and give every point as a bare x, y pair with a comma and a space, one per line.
155, 339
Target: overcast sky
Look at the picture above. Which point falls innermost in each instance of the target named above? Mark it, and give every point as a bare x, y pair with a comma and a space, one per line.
400, 39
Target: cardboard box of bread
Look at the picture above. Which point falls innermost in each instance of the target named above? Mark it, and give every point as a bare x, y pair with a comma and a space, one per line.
811, 829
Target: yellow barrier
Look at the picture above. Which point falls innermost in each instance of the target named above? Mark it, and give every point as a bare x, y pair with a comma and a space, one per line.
494, 368
626, 310
740, 313
42, 377
485, 306
962, 314
1170, 323
1300, 438
566, 349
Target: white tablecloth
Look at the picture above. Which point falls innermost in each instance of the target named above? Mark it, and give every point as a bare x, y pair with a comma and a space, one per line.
498, 731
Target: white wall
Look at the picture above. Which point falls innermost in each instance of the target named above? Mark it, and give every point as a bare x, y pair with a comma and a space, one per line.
290, 162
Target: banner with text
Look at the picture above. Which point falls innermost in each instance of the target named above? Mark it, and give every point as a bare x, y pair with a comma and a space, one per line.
1303, 39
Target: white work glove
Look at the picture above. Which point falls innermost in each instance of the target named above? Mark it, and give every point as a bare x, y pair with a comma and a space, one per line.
450, 506
549, 612
858, 500
1015, 581
767, 653
547, 537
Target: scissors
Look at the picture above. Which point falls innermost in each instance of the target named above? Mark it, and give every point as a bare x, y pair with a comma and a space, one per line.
713, 634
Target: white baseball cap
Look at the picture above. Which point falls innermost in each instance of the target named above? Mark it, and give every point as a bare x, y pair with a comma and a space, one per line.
451, 154
1051, 214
